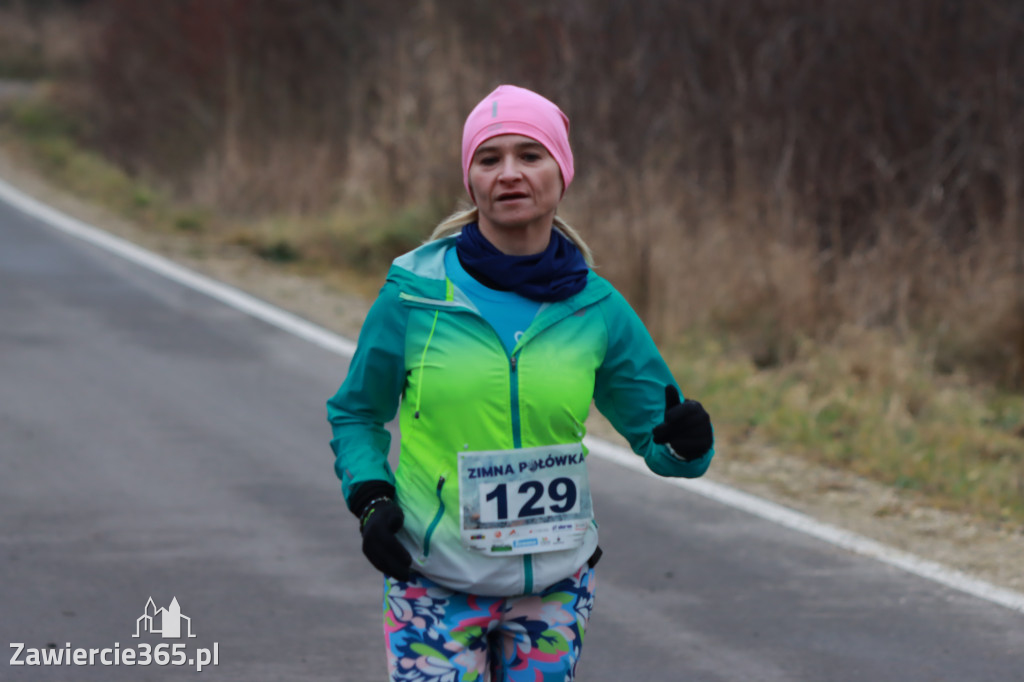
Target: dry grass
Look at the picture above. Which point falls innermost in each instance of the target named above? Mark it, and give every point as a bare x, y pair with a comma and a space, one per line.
875, 407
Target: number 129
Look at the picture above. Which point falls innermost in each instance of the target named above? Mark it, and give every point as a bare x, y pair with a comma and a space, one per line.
528, 498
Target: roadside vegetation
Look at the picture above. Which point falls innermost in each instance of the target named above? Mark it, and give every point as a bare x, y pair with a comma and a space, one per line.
815, 206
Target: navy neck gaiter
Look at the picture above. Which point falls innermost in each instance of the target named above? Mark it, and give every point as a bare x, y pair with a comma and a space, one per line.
554, 274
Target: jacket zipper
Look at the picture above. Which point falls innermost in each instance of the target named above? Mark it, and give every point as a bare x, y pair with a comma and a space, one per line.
437, 519
517, 441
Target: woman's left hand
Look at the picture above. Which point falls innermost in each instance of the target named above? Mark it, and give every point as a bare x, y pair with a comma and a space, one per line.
686, 429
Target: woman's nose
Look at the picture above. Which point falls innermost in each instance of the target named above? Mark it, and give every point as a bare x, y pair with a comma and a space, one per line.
509, 168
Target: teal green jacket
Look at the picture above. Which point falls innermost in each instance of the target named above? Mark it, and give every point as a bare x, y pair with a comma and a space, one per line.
426, 353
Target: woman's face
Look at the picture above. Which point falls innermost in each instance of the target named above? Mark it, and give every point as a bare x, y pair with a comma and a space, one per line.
516, 183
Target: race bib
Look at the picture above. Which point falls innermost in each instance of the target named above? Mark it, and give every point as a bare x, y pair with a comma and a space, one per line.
524, 501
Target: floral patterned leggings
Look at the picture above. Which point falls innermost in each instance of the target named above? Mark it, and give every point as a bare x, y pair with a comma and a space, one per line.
436, 635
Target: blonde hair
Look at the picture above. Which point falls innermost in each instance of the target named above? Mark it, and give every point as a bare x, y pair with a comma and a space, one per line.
464, 216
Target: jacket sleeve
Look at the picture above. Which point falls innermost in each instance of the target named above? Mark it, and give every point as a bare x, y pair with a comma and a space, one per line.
630, 389
369, 396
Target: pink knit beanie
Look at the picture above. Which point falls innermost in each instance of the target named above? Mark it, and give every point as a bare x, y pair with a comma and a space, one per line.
511, 110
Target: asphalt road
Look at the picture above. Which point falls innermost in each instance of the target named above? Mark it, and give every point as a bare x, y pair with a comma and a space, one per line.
157, 443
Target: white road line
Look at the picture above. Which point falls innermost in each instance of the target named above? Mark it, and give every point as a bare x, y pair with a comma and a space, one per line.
225, 294
330, 341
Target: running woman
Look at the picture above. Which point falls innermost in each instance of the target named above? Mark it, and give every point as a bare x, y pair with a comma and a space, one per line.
491, 341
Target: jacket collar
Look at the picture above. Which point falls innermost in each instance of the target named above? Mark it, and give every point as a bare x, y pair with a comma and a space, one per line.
420, 274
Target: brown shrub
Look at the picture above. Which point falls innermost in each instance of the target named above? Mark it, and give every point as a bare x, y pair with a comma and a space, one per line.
771, 168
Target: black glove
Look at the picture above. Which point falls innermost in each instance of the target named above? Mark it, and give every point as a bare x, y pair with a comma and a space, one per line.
379, 519
686, 429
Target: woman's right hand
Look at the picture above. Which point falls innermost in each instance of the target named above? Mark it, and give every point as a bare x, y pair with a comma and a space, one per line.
381, 519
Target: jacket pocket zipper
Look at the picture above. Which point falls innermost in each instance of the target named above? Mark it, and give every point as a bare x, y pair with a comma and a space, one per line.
437, 519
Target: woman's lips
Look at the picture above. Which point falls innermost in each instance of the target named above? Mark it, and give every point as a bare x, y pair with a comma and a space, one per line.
511, 196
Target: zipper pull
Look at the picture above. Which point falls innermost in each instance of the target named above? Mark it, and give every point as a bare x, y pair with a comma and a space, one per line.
513, 363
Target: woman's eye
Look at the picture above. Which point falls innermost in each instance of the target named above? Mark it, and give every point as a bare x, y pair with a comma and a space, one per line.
488, 160
531, 156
